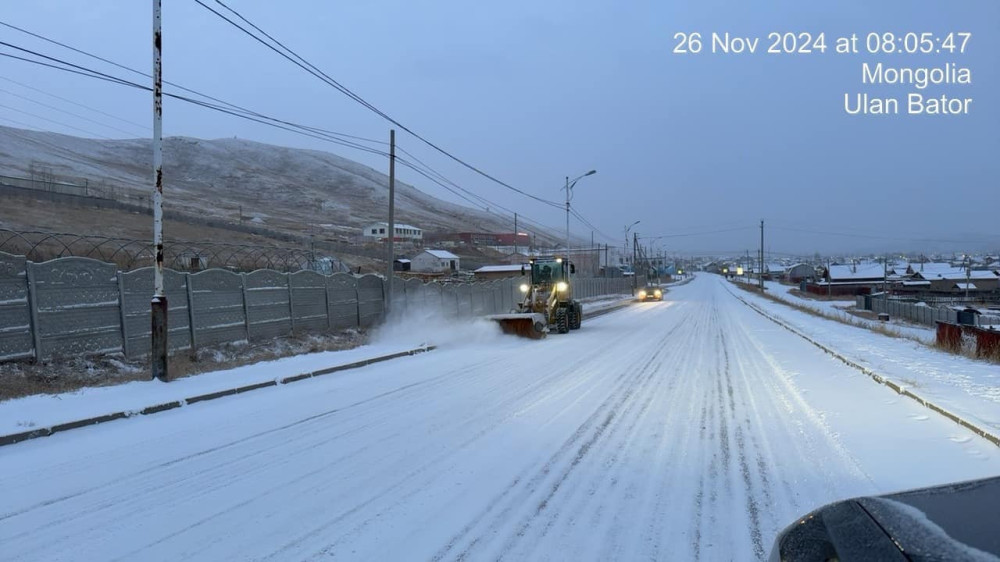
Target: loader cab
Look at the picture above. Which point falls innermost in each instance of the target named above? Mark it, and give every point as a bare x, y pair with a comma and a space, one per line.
545, 271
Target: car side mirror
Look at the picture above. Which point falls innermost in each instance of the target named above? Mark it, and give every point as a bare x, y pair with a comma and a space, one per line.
572, 268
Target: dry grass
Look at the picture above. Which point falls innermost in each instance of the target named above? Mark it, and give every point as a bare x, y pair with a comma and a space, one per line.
883, 329
58, 375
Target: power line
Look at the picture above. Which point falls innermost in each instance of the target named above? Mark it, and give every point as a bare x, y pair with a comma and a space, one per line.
23, 85
70, 113
60, 123
682, 235
302, 63
167, 82
237, 111
874, 236
244, 114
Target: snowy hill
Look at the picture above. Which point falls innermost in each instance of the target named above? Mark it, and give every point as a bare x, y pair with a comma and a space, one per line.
283, 188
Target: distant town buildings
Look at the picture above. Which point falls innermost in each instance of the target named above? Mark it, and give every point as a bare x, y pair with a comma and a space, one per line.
379, 231
434, 261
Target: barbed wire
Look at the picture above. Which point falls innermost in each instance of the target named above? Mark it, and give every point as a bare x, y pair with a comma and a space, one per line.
129, 254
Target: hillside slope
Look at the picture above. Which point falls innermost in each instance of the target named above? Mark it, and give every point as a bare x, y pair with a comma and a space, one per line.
295, 190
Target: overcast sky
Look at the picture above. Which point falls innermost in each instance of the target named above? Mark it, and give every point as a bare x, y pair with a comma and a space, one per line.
702, 146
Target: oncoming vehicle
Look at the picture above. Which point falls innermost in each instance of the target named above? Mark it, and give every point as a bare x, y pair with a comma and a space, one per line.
650, 293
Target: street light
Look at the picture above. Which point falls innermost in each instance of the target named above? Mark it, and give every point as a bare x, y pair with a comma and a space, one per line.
569, 195
625, 246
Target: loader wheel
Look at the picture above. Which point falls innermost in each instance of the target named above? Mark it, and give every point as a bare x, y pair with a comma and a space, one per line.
562, 321
574, 316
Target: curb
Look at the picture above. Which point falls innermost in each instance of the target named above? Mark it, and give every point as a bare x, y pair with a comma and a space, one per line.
900, 389
604, 311
66, 426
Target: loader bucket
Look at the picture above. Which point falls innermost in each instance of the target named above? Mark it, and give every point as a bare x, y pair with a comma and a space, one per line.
525, 325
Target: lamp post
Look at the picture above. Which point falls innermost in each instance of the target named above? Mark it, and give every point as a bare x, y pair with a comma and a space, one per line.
625, 245
569, 195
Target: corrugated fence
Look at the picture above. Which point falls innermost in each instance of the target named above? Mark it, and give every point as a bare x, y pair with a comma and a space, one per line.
920, 314
72, 306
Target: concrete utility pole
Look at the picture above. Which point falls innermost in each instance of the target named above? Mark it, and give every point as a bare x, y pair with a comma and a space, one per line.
567, 216
569, 190
158, 341
391, 232
885, 282
968, 277
760, 274
515, 233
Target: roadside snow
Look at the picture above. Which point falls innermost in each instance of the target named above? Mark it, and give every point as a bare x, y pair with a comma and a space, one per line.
966, 387
46, 410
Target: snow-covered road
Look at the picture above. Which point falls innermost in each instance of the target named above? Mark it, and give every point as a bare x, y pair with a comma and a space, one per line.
692, 429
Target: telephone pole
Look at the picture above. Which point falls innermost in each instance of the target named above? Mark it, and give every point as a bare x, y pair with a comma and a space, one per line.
391, 231
515, 233
760, 274
158, 312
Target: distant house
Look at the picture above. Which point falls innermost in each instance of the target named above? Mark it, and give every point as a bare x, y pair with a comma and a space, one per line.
801, 272
378, 231
854, 279
492, 272
434, 261
401, 264
954, 280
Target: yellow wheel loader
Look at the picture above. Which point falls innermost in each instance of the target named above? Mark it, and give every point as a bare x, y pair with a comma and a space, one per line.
547, 303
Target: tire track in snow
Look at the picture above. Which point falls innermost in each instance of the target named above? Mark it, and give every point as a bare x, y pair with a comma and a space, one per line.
525, 488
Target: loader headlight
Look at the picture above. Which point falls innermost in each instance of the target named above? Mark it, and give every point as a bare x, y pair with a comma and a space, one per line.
642, 294
524, 287
658, 293
562, 286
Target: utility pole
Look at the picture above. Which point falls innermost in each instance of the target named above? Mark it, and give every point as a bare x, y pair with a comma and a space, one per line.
968, 277
515, 233
829, 279
760, 274
885, 281
391, 232
635, 265
158, 336
567, 217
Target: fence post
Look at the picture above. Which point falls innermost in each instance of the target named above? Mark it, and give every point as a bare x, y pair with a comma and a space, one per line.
246, 305
191, 313
291, 308
36, 332
121, 313
326, 301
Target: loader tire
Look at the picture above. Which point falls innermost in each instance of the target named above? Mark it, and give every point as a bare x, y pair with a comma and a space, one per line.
573, 316
562, 321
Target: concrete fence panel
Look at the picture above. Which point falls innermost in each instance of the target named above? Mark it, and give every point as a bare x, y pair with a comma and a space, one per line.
137, 291
269, 312
309, 308
75, 304
15, 314
449, 300
478, 295
342, 300
399, 296
433, 297
217, 306
414, 293
463, 298
370, 300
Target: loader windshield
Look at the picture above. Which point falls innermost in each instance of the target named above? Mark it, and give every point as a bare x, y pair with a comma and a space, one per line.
546, 272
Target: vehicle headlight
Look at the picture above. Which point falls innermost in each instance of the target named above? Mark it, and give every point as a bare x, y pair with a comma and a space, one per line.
659, 293
562, 286
524, 287
642, 294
